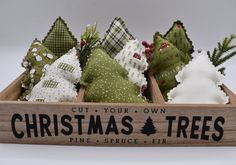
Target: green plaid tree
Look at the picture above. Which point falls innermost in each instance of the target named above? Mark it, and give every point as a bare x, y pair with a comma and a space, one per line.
116, 37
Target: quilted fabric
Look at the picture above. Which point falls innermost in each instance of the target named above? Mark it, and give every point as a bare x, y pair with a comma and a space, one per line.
107, 81
34, 62
59, 38
116, 37
58, 83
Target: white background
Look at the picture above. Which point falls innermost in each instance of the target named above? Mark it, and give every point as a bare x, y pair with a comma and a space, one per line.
207, 22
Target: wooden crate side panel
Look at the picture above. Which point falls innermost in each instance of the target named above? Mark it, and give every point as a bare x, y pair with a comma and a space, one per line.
118, 125
153, 91
12, 91
232, 96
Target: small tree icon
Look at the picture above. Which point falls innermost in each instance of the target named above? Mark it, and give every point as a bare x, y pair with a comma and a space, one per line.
148, 127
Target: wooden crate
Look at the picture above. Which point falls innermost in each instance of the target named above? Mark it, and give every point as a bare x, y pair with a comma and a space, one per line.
107, 124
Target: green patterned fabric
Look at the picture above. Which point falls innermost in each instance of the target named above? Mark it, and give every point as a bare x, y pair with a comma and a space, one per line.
58, 82
116, 37
59, 38
177, 36
106, 81
167, 61
34, 62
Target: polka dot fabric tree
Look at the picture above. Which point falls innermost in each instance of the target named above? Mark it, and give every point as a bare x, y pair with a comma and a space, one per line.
107, 81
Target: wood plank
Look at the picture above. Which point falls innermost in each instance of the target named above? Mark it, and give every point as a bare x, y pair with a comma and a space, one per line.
155, 90
80, 97
12, 91
139, 115
232, 96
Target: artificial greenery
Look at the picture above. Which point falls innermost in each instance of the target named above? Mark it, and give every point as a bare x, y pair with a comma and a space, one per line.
223, 52
89, 39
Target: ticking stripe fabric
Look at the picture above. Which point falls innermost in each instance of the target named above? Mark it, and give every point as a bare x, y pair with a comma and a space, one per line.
116, 37
59, 38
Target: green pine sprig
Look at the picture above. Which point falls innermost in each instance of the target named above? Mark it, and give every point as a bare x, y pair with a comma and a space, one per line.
223, 52
89, 39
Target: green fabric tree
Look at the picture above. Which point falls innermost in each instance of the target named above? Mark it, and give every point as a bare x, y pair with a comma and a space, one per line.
59, 38
177, 36
34, 62
106, 81
167, 60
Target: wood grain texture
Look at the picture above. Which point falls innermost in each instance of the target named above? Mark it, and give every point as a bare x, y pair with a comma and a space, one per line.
232, 97
155, 90
80, 97
158, 111
12, 91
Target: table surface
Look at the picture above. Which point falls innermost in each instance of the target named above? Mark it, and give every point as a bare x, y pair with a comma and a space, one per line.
70, 155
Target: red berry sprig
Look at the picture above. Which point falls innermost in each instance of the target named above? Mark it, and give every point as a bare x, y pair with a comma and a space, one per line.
148, 50
82, 43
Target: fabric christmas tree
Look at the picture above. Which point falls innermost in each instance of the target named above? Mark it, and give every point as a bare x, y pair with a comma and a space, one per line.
148, 127
177, 36
107, 81
166, 62
59, 38
58, 83
34, 62
131, 57
116, 37
199, 84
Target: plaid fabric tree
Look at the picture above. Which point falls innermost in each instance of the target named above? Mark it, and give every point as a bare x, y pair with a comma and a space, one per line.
116, 37
59, 38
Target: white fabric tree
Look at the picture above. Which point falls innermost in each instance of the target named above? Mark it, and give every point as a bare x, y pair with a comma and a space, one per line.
58, 83
199, 82
132, 58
